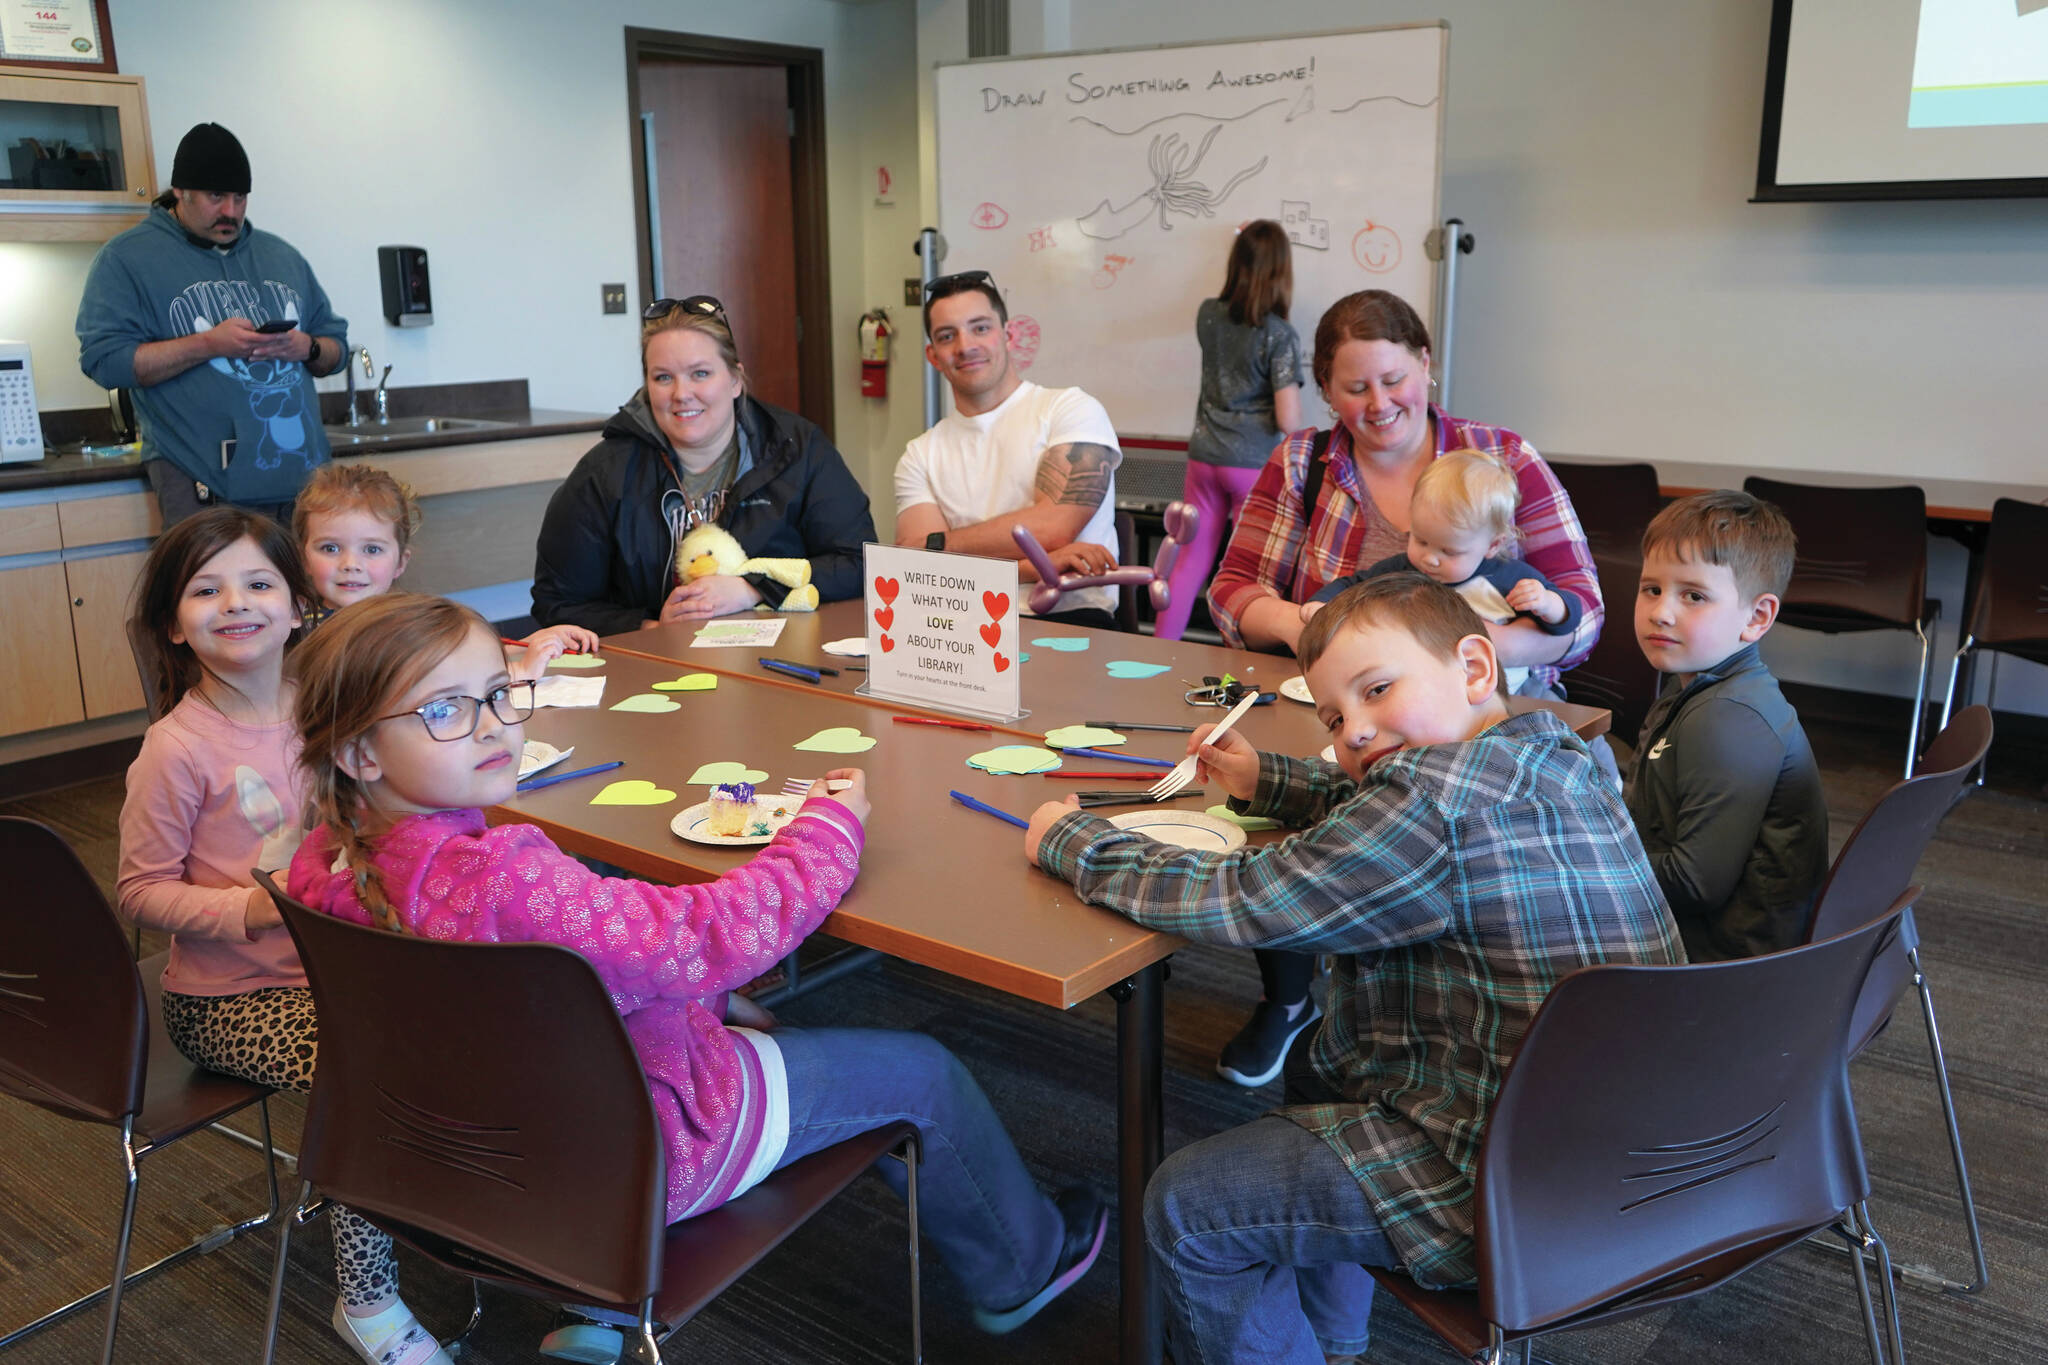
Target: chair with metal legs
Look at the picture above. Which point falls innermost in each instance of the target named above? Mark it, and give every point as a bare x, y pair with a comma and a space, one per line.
1870, 873
81, 1035
506, 1132
2009, 600
1861, 565
1660, 1131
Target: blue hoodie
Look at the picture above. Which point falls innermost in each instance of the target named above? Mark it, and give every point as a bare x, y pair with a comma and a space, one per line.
153, 283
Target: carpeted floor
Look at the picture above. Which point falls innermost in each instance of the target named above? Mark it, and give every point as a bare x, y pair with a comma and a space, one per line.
836, 1293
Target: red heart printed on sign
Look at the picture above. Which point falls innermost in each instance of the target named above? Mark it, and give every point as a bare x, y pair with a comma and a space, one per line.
992, 633
887, 588
887, 644
1002, 664
997, 603
885, 617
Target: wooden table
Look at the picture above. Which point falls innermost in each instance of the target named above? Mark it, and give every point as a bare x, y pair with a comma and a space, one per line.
1020, 930
1948, 500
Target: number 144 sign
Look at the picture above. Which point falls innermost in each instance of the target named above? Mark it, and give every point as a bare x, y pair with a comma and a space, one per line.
942, 631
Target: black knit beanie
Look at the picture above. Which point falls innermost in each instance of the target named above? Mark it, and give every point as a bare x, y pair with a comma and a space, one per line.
211, 159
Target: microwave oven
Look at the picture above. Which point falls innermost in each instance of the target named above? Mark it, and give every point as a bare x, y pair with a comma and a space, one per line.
21, 426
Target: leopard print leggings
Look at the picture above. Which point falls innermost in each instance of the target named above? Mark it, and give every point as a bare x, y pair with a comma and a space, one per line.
271, 1038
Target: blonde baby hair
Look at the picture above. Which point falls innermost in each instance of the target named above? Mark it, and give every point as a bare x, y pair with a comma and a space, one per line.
1473, 491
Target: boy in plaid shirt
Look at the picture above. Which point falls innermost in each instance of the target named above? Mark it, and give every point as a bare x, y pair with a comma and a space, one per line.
1459, 863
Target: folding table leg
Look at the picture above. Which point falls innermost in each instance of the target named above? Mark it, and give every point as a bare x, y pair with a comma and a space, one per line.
1140, 1014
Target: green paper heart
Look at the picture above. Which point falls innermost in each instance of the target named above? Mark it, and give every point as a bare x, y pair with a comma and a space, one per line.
1082, 737
689, 682
712, 774
634, 791
1015, 760
1065, 644
648, 701
576, 661
840, 739
725, 630
1250, 822
1131, 668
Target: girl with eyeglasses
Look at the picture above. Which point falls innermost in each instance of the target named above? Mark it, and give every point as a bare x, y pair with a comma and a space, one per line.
412, 727
216, 791
693, 445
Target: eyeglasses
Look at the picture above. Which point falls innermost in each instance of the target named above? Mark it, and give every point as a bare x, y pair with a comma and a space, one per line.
946, 285
451, 718
701, 305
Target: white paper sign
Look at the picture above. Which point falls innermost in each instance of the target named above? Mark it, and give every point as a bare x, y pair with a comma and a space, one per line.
942, 630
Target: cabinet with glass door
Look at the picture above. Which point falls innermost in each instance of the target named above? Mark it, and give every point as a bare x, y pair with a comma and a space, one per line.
75, 158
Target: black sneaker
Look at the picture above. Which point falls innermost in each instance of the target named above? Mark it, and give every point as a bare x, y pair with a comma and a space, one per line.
1255, 1055
1087, 1222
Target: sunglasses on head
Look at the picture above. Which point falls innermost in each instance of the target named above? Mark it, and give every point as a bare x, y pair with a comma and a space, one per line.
702, 305
951, 284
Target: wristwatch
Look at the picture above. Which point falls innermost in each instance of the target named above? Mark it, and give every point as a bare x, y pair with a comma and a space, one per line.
935, 541
312, 352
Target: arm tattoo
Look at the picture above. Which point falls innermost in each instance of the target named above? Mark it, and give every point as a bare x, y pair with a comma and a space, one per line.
1077, 474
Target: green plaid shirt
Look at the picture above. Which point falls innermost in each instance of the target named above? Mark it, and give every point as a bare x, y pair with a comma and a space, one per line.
1456, 886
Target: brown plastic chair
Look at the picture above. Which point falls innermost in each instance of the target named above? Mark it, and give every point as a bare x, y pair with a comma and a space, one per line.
1615, 675
1862, 565
1870, 874
1661, 1131
501, 1125
2009, 601
1614, 503
81, 1035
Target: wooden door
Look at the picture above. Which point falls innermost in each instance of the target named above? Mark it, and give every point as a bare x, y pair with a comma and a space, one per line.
721, 194
38, 671
100, 592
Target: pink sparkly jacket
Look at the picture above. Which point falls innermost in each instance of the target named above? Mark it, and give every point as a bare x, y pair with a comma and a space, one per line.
667, 954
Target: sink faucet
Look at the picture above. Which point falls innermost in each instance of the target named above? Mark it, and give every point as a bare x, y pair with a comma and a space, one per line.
384, 399
355, 416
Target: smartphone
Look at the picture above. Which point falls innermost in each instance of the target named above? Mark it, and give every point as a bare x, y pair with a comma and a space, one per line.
280, 325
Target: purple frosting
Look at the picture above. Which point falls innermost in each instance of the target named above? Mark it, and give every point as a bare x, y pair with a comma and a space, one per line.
741, 792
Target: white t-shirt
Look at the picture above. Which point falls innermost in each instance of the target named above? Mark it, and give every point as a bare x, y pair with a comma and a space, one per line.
974, 468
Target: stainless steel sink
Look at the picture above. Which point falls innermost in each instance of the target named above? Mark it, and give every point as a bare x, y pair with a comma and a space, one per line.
371, 432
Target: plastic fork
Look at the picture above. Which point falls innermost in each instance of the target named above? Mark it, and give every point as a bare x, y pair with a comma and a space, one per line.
1169, 786
801, 786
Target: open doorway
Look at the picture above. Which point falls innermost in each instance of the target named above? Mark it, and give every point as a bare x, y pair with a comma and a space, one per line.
729, 199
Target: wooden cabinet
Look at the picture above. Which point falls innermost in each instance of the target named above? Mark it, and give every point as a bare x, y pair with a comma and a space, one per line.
78, 163
39, 684
101, 591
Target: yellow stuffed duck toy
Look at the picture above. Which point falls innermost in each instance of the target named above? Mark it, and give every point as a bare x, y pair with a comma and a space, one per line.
711, 550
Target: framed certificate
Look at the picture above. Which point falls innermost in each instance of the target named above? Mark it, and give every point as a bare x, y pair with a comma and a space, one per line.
72, 35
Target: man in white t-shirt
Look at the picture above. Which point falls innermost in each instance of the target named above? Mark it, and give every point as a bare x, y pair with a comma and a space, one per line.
1011, 453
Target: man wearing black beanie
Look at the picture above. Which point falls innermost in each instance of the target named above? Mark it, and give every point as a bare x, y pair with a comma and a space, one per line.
218, 330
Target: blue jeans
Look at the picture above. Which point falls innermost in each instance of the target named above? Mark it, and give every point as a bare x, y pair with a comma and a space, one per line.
1260, 1235
979, 1206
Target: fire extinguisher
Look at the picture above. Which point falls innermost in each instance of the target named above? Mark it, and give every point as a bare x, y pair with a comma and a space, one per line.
874, 353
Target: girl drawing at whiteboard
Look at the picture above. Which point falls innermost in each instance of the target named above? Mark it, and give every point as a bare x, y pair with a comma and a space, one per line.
1250, 398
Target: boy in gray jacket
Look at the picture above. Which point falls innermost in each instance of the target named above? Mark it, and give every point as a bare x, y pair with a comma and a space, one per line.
1722, 787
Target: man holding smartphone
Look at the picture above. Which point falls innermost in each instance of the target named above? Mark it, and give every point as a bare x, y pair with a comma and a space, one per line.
218, 330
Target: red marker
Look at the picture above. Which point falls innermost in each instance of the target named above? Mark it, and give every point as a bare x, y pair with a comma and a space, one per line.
934, 720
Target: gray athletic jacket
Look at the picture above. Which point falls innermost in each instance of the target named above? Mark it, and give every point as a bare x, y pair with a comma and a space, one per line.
1727, 799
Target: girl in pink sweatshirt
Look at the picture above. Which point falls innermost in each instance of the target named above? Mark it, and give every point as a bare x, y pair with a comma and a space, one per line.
215, 792
412, 725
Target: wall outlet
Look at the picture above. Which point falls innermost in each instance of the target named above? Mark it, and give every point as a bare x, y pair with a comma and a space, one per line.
614, 297
913, 293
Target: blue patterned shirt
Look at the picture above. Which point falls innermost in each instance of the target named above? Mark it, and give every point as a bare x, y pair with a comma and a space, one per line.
1456, 885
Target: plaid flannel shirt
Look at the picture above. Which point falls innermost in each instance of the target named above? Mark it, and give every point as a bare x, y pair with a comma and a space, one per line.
1276, 551
1457, 884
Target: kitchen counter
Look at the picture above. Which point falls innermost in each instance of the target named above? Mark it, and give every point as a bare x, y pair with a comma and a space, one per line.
499, 402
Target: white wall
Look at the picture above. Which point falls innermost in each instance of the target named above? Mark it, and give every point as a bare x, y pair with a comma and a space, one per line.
1626, 299
494, 133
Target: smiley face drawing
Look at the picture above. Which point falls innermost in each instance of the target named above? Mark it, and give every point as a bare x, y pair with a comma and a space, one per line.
1376, 248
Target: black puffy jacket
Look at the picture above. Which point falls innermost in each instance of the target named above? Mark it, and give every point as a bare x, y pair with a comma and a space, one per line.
605, 547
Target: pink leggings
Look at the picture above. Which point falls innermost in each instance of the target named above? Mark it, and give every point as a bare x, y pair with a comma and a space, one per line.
1217, 492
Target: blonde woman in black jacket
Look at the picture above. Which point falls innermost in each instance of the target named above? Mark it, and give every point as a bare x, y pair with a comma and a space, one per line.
692, 445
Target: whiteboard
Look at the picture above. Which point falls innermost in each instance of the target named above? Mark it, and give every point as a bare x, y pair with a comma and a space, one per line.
1102, 191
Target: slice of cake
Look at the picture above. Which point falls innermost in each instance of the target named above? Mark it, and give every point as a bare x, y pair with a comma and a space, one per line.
733, 809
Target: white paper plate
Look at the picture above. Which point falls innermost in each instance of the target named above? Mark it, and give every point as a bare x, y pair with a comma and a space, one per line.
852, 647
1186, 828
694, 824
1296, 689
1329, 754
538, 754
